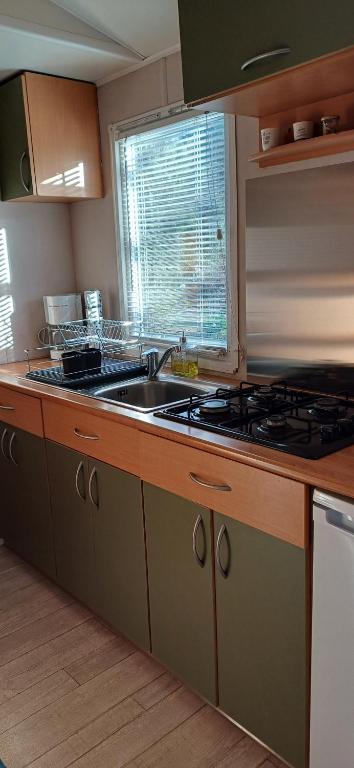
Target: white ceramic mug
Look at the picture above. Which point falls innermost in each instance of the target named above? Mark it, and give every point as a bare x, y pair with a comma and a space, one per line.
270, 137
303, 129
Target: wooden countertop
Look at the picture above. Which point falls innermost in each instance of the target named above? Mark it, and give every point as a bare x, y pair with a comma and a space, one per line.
333, 473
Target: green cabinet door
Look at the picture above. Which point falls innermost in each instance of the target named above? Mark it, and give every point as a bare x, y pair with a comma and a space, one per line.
180, 574
219, 36
35, 526
8, 509
28, 523
119, 545
262, 610
72, 519
15, 172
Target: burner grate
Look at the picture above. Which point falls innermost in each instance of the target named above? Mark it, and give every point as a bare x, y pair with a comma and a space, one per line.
286, 422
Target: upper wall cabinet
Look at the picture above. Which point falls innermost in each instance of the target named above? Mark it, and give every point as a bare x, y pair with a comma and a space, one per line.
49, 139
250, 49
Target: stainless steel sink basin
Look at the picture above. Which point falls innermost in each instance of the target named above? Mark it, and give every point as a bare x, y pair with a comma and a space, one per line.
144, 395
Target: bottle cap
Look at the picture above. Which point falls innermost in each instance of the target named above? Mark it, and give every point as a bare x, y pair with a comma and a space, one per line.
183, 338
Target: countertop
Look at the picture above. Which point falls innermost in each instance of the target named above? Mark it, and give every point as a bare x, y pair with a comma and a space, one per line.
333, 473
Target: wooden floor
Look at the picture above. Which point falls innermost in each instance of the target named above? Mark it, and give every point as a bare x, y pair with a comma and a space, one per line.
72, 693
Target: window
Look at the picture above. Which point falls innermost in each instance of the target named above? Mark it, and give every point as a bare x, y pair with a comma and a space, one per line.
173, 194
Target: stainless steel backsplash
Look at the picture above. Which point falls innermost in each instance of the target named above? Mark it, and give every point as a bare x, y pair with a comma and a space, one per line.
300, 269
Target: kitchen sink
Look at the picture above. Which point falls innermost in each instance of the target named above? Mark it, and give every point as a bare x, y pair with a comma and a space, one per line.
145, 395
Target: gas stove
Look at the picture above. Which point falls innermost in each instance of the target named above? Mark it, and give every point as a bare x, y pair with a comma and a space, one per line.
277, 416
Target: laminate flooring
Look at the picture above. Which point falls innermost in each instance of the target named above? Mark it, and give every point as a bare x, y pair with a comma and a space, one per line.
73, 693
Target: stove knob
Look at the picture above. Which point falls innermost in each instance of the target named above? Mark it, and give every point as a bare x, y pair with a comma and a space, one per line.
329, 432
345, 426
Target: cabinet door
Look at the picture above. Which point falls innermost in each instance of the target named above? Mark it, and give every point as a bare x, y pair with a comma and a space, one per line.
8, 509
27, 522
119, 545
180, 574
15, 172
217, 38
65, 136
34, 519
72, 519
261, 602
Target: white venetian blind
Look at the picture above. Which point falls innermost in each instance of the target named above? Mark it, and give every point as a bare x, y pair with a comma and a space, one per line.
174, 243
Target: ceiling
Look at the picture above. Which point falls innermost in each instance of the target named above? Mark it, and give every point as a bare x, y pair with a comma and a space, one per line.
148, 26
84, 38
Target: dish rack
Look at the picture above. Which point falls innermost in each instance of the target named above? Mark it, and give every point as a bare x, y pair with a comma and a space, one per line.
118, 340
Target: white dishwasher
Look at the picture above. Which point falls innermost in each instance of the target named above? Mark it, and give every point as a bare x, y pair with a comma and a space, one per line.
332, 676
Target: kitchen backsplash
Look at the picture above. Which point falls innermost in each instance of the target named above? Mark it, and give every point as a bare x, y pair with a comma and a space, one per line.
300, 269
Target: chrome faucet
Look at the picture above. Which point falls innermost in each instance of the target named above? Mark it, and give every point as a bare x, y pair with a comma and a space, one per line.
154, 364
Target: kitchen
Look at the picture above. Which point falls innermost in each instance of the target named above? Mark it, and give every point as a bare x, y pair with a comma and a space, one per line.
176, 572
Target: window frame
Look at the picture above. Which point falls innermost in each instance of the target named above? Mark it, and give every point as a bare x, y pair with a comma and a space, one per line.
208, 360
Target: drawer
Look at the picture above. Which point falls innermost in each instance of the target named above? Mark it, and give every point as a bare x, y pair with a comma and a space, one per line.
21, 411
93, 435
268, 502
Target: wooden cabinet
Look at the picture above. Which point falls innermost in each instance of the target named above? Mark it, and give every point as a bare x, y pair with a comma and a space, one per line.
180, 572
227, 44
262, 629
99, 539
49, 139
73, 523
26, 515
119, 544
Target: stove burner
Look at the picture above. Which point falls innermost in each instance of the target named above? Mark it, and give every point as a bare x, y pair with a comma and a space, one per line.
214, 407
263, 396
327, 402
274, 423
329, 432
345, 426
326, 408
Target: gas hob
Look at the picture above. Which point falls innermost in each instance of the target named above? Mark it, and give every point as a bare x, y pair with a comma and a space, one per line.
297, 422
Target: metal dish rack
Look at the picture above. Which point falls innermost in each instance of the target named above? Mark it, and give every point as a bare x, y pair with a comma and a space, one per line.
119, 341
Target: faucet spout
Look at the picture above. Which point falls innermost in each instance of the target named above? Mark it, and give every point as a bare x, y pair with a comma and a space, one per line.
155, 364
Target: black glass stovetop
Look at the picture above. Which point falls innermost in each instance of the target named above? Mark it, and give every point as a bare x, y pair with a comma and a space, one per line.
297, 422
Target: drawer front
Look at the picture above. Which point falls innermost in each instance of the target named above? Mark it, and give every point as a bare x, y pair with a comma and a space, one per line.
21, 411
93, 435
270, 503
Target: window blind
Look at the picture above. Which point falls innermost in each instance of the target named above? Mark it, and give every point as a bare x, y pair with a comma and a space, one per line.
173, 229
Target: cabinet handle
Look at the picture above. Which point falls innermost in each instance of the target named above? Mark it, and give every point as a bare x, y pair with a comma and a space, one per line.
92, 476
79, 469
26, 186
3, 436
263, 56
205, 484
12, 439
7, 407
223, 532
83, 436
199, 523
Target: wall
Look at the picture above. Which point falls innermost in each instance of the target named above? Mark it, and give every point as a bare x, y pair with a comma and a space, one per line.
37, 261
93, 229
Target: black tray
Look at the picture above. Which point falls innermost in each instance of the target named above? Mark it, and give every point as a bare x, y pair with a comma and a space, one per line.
110, 370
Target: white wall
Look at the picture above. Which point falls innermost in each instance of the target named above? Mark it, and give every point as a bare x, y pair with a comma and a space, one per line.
40, 261
94, 243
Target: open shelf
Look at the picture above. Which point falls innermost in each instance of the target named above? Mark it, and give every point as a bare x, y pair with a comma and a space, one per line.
304, 149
